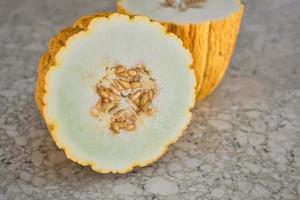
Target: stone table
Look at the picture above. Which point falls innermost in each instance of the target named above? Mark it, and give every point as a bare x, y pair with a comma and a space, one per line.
243, 142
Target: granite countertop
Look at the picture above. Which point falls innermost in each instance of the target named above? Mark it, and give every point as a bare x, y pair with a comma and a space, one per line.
243, 142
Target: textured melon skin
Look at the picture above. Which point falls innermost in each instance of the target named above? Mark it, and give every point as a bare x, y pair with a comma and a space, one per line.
211, 44
47, 61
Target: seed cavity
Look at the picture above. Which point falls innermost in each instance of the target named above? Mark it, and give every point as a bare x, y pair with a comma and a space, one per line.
125, 97
183, 5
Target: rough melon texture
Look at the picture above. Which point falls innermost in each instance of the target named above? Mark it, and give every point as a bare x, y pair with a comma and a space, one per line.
65, 101
211, 43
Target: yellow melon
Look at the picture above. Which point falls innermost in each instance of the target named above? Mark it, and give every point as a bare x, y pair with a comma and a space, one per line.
115, 91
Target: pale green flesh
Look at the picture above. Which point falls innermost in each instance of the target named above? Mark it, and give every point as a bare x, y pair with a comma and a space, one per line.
71, 92
211, 10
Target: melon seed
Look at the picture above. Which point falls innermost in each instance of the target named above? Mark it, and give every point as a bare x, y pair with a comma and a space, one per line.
134, 85
120, 69
117, 85
132, 72
123, 74
125, 84
95, 112
122, 124
105, 100
144, 99
114, 106
103, 106
136, 95
115, 127
151, 95
119, 113
130, 127
101, 91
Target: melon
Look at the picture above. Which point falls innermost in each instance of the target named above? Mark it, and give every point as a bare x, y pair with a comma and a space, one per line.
208, 28
115, 91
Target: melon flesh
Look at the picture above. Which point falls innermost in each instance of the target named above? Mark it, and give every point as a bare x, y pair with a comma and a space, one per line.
209, 31
209, 10
69, 81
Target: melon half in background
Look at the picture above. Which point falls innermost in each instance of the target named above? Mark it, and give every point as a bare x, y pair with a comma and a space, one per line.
115, 91
209, 28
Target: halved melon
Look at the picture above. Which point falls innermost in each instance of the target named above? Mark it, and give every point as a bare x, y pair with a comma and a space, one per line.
209, 28
115, 91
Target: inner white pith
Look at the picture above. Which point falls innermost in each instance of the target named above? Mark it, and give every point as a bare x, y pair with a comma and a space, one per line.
125, 96
183, 5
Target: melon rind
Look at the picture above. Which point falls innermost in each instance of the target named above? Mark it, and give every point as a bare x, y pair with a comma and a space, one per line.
210, 41
49, 61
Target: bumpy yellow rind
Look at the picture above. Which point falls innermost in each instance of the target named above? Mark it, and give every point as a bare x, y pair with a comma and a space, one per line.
211, 44
48, 60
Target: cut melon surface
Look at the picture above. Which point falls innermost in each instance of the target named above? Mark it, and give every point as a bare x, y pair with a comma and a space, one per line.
84, 59
208, 28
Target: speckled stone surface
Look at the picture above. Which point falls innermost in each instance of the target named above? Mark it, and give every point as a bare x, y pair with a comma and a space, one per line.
243, 142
